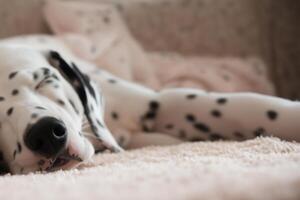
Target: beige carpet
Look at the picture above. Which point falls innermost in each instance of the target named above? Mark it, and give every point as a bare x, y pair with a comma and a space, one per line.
264, 168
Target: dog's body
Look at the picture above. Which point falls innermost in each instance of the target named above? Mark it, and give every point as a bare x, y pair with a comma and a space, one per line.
41, 79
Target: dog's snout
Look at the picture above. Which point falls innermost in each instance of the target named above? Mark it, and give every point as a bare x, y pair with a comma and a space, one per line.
48, 137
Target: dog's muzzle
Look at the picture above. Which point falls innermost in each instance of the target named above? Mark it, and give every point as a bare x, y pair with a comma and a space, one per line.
47, 137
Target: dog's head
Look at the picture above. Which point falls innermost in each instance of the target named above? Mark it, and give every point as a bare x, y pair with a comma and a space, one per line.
47, 107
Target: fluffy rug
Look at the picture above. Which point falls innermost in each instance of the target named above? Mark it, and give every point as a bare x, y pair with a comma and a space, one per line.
264, 168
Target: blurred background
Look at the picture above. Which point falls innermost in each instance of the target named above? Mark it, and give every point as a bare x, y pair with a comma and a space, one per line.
267, 29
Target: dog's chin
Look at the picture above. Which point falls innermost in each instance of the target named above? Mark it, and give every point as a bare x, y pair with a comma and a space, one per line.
61, 163
69, 158
50, 165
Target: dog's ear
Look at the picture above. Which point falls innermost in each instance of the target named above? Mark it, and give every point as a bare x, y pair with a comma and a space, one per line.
88, 95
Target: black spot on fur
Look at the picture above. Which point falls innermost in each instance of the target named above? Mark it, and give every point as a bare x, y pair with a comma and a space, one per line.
34, 115
202, 127
145, 128
272, 115
19, 147
10, 111
191, 96
154, 105
2, 98
259, 132
61, 102
4, 169
216, 113
150, 115
239, 135
112, 81
221, 101
73, 106
190, 117
15, 92
40, 108
215, 137
46, 71
48, 81
87, 78
99, 123
115, 115
169, 126
55, 77
41, 162
94, 128
38, 86
35, 76
14, 154
12, 75
182, 134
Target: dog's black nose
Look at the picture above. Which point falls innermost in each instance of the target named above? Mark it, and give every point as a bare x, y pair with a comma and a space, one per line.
48, 137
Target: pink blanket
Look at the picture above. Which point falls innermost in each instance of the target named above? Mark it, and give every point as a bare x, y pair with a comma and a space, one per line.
97, 33
260, 169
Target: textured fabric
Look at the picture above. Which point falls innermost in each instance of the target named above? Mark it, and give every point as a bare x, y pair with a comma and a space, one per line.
260, 169
97, 33
264, 28
212, 73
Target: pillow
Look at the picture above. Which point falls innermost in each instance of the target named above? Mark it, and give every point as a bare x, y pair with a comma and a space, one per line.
97, 33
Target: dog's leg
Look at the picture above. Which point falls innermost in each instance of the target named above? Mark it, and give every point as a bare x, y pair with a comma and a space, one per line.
197, 115
125, 102
193, 115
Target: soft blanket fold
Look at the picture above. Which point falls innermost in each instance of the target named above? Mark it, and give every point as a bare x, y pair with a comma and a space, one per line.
97, 33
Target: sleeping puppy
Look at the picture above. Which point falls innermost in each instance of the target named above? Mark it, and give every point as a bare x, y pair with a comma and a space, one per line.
52, 110
45, 104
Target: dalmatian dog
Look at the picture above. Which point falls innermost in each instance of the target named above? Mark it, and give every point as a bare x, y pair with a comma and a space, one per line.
57, 111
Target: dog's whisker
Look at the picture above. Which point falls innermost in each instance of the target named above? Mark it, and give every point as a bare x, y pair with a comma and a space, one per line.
84, 120
90, 135
85, 126
85, 123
